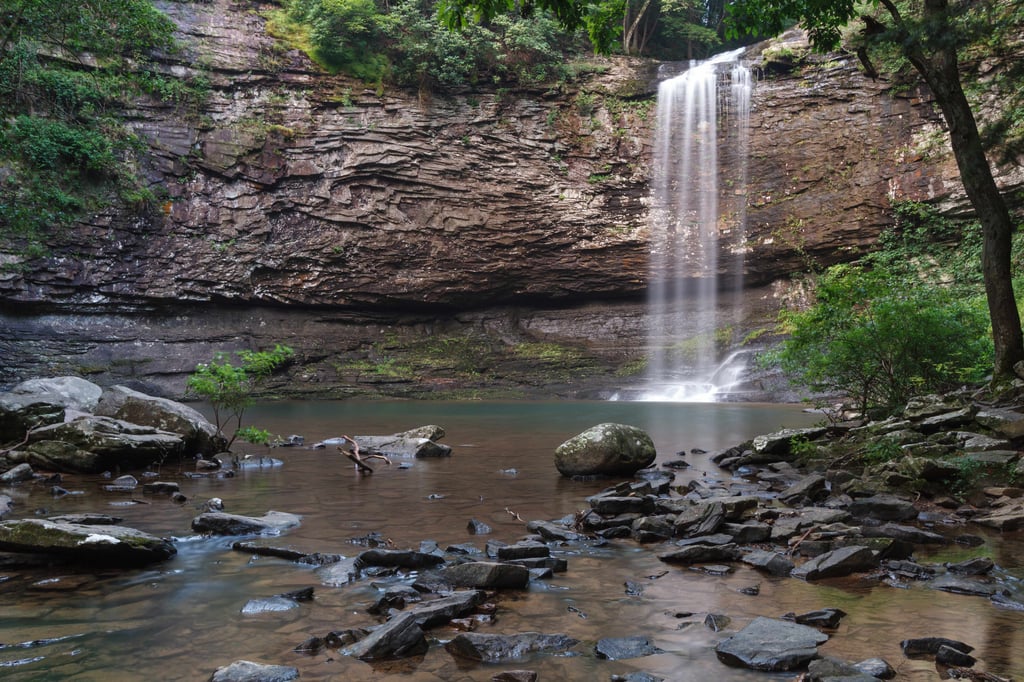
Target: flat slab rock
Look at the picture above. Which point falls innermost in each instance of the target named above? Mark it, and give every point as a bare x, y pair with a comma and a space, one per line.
220, 523
107, 544
772, 645
248, 671
494, 648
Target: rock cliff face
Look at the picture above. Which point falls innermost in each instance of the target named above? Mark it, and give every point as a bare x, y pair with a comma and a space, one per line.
385, 218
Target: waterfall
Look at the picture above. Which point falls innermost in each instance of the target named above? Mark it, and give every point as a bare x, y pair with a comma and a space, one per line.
703, 114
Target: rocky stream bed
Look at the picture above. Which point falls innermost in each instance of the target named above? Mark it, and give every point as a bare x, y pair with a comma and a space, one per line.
801, 504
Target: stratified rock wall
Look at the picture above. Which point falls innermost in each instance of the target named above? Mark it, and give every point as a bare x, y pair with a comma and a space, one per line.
294, 188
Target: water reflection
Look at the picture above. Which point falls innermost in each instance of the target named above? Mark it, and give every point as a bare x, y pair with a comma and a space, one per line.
182, 620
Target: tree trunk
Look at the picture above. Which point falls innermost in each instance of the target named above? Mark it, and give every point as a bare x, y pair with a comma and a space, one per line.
941, 71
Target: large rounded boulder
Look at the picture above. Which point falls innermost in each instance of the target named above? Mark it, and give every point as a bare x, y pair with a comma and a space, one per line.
605, 450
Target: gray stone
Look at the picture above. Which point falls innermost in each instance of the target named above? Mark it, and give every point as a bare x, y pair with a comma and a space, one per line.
700, 519
747, 533
487, 575
429, 431
269, 605
876, 667
884, 507
951, 656
248, 671
771, 645
495, 648
614, 505
606, 450
976, 566
695, 554
811, 488
908, 533
778, 445
116, 443
552, 532
619, 648
198, 434
515, 676
1007, 423
400, 637
773, 563
220, 523
837, 563
970, 586
829, 669
522, 550
106, 545
924, 406
1010, 517
440, 611
72, 393
929, 646
822, 618
397, 558
17, 474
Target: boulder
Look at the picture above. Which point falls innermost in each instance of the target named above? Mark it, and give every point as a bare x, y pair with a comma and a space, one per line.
605, 450
771, 645
108, 545
487, 575
221, 523
837, 563
55, 455
494, 648
72, 393
198, 434
248, 671
115, 443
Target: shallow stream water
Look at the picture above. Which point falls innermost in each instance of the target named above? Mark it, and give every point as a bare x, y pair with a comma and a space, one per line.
182, 619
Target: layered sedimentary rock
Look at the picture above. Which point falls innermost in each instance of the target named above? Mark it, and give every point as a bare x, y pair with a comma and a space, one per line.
294, 188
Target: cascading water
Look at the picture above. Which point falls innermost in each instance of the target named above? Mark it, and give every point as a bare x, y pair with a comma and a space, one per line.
698, 199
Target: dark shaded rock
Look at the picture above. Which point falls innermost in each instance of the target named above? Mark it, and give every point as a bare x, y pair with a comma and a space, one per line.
619, 648
106, 545
552, 532
822, 618
694, 554
606, 450
397, 558
837, 563
487, 574
247, 671
908, 569
772, 645
773, 563
436, 612
220, 523
515, 676
478, 527
976, 566
929, 646
399, 637
494, 648
967, 585
395, 597
716, 622
613, 506
884, 508
161, 487
638, 676
652, 529
522, 550
17, 474
701, 519
1007, 518
908, 533
747, 533
810, 488
947, 655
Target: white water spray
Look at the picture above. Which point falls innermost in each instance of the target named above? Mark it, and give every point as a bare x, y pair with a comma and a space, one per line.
702, 114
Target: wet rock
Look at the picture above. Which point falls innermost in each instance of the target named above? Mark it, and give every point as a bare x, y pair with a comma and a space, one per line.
122, 484
876, 667
619, 648
837, 563
552, 532
220, 523
912, 534
108, 545
1007, 518
976, 566
269, 605
612, 506
428, 431
947, 655
17, 474
400, 637
822, 618
929, 646
770, 562
515, 676
395, 597
747, 533
247, 671
397, 558
6, 505
700, 519
716, 622
478, 527
833, 670
771, 645
908, 569
521, 550
652, 529
439, 611
161, 487
638, 676
495, 648
973, 587
487, 575
125, 404
698, 553
605, 450
883, 507
397, 445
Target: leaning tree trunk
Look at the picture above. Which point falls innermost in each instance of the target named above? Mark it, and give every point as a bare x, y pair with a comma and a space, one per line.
941, 71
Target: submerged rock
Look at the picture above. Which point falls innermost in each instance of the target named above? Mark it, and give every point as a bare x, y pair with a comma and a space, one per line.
605, 450
619, 648
772, 645
106, 545
493, 648
247, 671
837, 563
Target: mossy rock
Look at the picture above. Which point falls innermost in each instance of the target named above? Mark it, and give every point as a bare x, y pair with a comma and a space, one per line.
605, 450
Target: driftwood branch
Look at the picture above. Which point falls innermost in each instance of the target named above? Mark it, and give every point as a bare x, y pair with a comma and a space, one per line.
358, 458
28, 434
